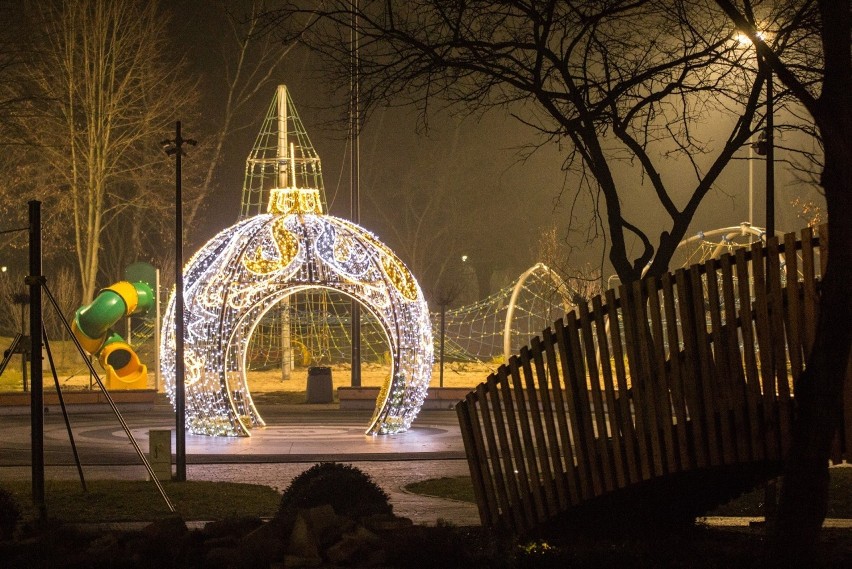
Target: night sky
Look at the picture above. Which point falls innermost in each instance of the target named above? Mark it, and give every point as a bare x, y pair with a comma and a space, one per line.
494, 203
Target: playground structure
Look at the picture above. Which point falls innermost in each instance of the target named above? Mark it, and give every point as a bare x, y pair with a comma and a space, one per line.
486, 331
92, 327
480, 332
96, 317
685, 405
247, 269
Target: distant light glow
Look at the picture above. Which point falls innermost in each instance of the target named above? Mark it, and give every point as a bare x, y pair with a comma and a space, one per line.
743, 38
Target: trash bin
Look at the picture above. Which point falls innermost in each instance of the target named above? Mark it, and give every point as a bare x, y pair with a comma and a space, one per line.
160, 453
320, 388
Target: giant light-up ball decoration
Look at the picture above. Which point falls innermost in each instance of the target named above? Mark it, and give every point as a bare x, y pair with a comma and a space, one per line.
245, 270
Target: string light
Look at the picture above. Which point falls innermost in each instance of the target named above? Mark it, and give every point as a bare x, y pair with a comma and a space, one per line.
248, 268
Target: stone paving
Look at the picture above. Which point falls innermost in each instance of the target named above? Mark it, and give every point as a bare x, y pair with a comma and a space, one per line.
296, 437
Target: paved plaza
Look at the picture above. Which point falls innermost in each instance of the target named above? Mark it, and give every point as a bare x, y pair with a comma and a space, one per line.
296, 437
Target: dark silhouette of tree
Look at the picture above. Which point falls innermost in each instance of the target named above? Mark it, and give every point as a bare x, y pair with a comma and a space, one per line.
612, 83
819, 390
249, 69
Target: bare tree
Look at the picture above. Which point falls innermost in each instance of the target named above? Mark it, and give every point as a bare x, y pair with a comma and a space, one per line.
250, 62
819, 390
614, 83
112, 90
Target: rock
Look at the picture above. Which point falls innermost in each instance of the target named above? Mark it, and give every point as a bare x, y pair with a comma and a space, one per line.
326, 525
302, 543
167, 528
264, 545
386, 522
297, 561
354, 546
233, 526
223, 558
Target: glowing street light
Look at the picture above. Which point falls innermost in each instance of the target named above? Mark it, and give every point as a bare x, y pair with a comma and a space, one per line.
765, 145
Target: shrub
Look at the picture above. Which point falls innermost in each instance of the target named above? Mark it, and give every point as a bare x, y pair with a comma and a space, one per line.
9, 515
348, 490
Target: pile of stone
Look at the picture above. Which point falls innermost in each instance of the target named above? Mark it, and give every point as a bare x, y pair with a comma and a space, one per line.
316, 537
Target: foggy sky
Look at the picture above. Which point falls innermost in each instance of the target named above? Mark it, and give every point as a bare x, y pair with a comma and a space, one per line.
483, 166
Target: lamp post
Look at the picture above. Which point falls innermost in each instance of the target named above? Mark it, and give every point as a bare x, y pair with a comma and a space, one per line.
175, 148
765, 145
770, 154
34, 280
355, 180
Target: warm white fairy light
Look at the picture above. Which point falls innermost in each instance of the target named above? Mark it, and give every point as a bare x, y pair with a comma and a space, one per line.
240, 274
249, 267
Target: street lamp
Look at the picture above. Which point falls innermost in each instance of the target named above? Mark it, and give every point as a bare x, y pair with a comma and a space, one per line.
765, 144
175, 148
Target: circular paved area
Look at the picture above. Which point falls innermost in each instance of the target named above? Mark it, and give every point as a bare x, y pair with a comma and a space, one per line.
296, 438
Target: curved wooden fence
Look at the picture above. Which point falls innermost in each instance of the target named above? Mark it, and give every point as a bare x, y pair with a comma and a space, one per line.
684, 374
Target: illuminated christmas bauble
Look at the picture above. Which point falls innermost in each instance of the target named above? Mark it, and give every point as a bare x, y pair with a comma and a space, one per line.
245, 270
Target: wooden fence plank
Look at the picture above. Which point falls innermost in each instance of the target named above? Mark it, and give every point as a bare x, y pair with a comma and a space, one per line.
516, 509
809, 287
628, 316
590, 351
794, 311
575, 485
722, 370
779, 345
613, 411
528, 451
737, 391
541, 446
510, 423
560, 476
748, 323
705, 385
477, 460
763, 331
650, 386
579, 390
501, 487
676, 373
628, 431
695, 406
664, 407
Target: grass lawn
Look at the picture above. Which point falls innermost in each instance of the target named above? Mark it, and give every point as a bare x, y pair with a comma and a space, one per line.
132, 500
747, 505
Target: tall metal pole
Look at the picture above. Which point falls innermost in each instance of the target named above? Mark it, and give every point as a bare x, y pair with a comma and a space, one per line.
354, 180
36, 379
176, 147
443, 333
770, 156
180, 386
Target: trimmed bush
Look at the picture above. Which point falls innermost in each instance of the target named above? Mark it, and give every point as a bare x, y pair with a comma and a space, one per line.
10, 513
348, 490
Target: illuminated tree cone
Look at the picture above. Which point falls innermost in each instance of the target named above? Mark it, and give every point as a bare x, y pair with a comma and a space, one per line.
243, 272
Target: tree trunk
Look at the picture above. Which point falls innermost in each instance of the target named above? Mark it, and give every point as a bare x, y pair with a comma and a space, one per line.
819, 391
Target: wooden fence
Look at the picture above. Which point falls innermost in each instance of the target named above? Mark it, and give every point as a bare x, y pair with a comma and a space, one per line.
690, 372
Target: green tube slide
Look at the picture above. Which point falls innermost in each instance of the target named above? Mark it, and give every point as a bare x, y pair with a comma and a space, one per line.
95, 319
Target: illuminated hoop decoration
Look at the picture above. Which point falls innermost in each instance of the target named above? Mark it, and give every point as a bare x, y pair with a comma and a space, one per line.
242, 272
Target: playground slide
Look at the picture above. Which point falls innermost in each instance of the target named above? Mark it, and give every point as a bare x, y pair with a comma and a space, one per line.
92, 327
